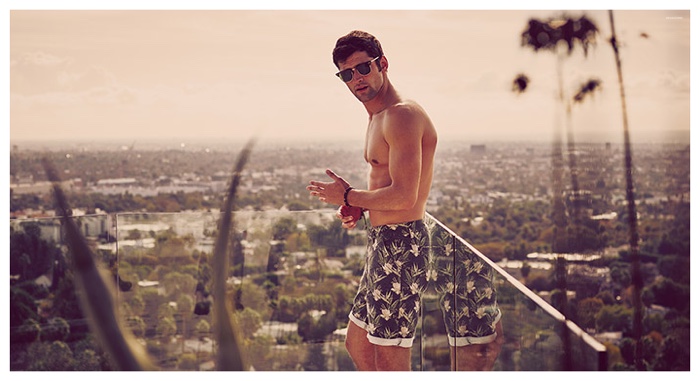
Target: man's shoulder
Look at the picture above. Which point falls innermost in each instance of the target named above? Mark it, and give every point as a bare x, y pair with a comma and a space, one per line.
407, 123
406, 107
406, 112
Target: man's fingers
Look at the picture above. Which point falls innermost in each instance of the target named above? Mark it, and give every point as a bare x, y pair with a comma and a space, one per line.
337, 178
332, 174
319, 183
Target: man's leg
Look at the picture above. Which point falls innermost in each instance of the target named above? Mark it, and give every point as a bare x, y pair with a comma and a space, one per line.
360, 349
393, 358
478, 356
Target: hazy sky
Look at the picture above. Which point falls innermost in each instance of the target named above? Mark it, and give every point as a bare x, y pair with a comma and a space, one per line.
228, 74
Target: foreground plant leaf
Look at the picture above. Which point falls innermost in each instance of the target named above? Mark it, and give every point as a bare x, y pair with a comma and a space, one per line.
95, 292
229, 354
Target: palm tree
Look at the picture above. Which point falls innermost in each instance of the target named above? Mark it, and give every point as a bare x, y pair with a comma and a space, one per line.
560, 35
637, 281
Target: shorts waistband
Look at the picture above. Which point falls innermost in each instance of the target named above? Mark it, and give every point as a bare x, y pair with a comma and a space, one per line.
417, 224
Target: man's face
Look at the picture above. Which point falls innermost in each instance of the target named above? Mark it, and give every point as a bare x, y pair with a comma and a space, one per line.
364, 87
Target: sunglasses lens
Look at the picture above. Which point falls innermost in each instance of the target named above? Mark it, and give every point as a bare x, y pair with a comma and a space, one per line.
345, 75
363, 68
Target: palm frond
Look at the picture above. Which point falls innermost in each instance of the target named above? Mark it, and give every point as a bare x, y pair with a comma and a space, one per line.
520, 83
546, 35
587, 88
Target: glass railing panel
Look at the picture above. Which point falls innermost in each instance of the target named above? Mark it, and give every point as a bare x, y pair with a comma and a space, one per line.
462, 298
290, 286
292, 279
535, 335
158, 254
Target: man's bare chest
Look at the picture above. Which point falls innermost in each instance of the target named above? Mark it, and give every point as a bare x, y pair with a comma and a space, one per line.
376, 147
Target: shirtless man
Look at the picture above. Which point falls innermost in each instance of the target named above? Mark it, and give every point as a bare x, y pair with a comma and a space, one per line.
399, 148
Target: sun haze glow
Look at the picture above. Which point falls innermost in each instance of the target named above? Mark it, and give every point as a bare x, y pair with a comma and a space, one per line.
229, 74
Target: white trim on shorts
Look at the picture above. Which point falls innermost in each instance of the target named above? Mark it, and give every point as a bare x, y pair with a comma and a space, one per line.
464, 341
404, 342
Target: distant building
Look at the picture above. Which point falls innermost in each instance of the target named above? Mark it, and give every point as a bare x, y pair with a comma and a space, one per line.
26, 185
605, 216
570, 257
477, 148
120, 181
51, 229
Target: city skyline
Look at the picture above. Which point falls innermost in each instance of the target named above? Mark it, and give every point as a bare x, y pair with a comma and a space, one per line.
233, 74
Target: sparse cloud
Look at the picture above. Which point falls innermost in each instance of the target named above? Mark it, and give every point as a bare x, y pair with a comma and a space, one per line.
41, 73
38, 58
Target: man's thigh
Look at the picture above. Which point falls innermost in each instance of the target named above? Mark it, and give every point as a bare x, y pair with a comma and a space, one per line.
393, 358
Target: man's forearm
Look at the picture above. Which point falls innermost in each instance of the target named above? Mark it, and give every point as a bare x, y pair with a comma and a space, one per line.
388, 198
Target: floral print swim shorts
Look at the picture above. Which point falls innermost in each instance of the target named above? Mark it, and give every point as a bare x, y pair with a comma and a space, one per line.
464, 286
388, 301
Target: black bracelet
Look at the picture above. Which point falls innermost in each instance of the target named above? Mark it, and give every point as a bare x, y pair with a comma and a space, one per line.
345, 196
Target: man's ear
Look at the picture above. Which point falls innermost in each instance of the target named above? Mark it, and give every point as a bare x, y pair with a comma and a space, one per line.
382, 64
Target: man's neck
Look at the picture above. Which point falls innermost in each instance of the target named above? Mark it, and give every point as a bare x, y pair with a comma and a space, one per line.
386, 97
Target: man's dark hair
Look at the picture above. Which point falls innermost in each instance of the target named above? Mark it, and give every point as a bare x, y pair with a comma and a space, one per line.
356, 41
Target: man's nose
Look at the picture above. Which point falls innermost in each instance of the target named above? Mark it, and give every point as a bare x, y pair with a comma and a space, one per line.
357, 77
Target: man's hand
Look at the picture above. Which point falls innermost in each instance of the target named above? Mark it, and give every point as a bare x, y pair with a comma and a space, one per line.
349, 216
331, 192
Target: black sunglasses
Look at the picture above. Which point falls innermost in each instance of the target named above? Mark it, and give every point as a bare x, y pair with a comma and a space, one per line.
363, 69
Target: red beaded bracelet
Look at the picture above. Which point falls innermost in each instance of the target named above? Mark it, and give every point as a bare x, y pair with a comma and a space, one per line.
345, 196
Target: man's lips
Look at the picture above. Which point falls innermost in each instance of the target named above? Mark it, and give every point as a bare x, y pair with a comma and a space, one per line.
361, 88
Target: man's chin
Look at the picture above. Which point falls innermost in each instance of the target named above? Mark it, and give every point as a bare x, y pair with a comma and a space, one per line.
365, 96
